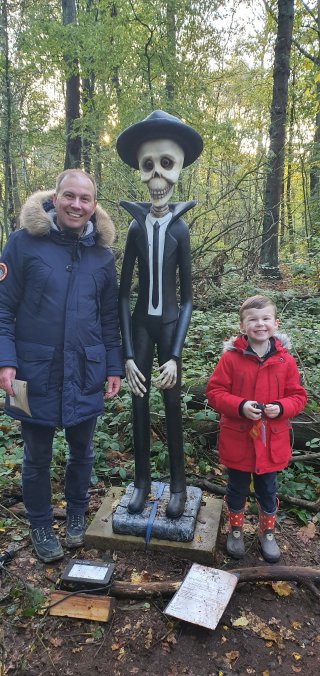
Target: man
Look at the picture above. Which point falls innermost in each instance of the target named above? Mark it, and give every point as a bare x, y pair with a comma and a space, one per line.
158, 239
59, 333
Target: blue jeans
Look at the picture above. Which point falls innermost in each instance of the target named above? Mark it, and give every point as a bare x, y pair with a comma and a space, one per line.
36, 481
265, 487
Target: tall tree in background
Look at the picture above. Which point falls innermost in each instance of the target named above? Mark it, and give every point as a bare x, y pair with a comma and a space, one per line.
6, 121
274, 180
73, 138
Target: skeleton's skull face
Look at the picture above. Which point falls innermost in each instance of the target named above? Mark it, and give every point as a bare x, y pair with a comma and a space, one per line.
160, 163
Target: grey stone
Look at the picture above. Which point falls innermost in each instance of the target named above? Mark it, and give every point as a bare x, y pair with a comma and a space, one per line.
178, 530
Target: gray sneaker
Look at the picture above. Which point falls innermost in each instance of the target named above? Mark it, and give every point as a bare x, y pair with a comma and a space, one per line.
75, 532
46, 544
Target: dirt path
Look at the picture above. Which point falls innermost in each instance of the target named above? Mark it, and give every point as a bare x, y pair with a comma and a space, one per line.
267, 628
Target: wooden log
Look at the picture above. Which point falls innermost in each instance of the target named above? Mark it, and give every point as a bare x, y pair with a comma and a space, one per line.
275, 572
121, 588
81, 606
304, 575
221, 490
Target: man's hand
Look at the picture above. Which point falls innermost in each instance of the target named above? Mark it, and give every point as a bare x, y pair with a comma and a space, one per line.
272, 410
135, 378
168, 375
250, 412
7, 375
113, 386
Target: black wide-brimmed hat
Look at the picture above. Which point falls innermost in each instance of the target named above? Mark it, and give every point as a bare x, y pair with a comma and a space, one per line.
159, 125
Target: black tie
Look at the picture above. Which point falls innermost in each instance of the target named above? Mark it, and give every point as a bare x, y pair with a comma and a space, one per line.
155, 261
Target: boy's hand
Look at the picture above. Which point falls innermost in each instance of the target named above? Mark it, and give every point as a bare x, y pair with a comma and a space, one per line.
250, 412
272, 410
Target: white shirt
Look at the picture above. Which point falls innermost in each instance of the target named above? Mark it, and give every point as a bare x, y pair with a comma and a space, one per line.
163, 222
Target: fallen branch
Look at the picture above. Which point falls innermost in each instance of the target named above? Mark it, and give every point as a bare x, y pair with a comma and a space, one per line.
305, 457
220, 490
306, 576
300, 502
123, 588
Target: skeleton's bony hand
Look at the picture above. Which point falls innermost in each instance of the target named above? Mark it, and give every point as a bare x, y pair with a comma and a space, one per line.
135, 378
168, 375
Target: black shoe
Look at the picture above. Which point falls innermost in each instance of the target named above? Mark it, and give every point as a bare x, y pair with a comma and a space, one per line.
46, 544
75, 532
138, 500
176, 505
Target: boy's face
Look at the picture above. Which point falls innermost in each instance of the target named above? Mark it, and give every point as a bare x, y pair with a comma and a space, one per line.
259, 325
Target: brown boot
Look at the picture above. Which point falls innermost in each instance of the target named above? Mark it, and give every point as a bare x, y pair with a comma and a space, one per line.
235, 543
269, 548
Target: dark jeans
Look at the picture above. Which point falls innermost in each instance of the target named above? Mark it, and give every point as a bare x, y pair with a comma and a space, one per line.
265, 487
37, 456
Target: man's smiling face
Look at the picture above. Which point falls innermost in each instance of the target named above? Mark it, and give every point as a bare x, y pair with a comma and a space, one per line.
75, 202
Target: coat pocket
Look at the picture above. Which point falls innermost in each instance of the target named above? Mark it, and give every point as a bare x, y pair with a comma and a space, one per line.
94, 369
34, 365
280, 447
235, 444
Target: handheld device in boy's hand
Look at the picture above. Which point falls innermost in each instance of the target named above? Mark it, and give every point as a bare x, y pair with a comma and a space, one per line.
259, 407
20, 396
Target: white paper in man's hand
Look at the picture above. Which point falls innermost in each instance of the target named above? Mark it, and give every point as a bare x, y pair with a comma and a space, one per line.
20, 397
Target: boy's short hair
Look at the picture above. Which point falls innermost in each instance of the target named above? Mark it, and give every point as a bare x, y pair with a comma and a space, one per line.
75, 172
256, 302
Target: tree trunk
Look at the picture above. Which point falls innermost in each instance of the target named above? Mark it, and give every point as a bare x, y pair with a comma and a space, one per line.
6, 123
73, 138
171, 53
269, 249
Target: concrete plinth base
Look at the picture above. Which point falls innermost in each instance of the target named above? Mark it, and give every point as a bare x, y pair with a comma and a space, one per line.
154, 515
202, 548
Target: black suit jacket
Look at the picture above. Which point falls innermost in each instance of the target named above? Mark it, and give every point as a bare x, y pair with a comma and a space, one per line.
176, 256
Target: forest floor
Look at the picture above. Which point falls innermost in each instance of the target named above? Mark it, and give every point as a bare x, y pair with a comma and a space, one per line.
269, 628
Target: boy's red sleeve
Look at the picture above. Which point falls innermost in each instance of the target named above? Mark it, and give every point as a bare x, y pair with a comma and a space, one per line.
219, 388
295, 396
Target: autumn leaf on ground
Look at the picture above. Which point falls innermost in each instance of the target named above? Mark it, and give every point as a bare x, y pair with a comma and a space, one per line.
254, 623
240, 622
138, 578
55, 641
296, 656
307, 532
149, 638
121, 653
282, 588
295, 624
232, 655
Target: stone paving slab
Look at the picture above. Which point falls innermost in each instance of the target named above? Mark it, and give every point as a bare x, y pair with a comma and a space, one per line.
162, 528
202, 548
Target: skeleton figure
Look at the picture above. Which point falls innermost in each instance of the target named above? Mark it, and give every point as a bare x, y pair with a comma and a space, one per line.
158, 239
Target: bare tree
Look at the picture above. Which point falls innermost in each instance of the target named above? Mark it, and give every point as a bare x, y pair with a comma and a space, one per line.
275, 164
73, 138
6, 122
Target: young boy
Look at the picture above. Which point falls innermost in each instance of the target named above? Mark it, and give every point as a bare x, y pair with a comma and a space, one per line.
256, 389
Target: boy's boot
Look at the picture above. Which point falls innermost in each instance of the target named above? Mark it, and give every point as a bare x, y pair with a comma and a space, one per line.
235, 543
269, 548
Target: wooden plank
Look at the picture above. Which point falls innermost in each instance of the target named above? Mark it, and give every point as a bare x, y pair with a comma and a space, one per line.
82, 606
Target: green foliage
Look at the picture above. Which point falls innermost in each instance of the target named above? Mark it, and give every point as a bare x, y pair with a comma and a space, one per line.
26, 600
300, 481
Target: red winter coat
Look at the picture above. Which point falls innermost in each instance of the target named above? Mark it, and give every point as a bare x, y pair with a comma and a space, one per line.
240, 376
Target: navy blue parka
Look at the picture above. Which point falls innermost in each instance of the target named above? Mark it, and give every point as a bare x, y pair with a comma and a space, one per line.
58, 314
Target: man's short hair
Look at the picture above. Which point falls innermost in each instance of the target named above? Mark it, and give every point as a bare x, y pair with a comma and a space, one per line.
75, 172
258, 303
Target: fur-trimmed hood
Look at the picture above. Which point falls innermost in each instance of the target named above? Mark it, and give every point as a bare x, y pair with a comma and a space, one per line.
35, 218
236, 343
